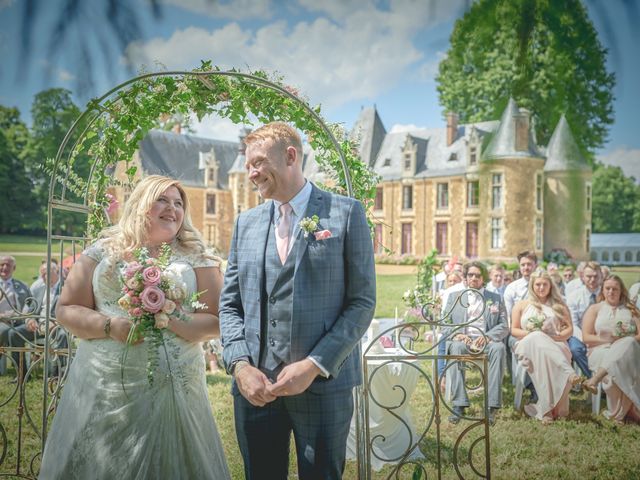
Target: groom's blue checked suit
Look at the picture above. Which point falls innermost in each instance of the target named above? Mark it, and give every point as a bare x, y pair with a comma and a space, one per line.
318, 305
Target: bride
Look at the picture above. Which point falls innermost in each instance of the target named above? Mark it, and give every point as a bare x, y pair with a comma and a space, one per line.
112, 422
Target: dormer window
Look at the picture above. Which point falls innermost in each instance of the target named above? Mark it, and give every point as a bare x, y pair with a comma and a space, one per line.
387, 162
453, 157
473, 156
407, 161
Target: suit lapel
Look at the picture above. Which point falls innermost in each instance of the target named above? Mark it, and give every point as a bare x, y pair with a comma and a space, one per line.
262, 233
314, 207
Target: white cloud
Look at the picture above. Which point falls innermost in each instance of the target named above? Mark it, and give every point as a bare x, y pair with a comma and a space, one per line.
398, 128
626, 158
64, 75
332, 63
216, 127
232, 9
57, 72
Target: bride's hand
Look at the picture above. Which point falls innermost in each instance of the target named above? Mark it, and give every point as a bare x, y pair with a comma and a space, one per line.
120, 328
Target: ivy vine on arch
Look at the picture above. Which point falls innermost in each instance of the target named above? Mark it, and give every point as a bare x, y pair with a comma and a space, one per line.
113, 125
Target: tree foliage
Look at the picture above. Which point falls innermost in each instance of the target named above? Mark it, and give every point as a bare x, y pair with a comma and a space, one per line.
543, 53
615, 201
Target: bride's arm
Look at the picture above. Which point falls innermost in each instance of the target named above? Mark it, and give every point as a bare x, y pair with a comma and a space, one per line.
75, 309
203, 324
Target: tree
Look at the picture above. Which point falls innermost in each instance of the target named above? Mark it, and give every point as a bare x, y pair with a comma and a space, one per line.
545, 54
15, 186
615, 201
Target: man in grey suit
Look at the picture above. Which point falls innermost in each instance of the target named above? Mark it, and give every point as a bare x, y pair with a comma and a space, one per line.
299, 293
486, 328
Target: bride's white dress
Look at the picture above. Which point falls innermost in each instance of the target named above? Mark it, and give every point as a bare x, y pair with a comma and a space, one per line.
620, 359
164, 430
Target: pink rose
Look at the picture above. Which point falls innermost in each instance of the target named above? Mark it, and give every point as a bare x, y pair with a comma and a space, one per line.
133, 283
152, 299
136, 312
162, 320
151, 276
322, 234
131, 269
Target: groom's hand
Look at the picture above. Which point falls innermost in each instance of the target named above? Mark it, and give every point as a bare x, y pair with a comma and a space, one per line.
254, 386
295, 378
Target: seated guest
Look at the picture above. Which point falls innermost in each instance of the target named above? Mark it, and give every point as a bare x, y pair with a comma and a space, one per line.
611, 330
567, 276
552, 267
32, 328
578, 300
541, 325
508, 278
486, 330
496, 280
634, 294
13, 296
576, 282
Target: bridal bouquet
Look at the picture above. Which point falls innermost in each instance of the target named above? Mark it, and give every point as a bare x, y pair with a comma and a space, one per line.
151, 293
535, 323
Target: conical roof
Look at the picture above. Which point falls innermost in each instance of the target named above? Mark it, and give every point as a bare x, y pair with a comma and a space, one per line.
369, 132
563, 152
238, 164
503, 143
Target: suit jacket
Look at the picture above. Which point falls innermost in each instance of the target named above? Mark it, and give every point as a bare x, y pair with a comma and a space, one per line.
22, 292
334, 288
495, 314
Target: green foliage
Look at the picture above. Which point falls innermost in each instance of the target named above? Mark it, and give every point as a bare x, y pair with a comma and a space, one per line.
544, 54
116, 126
615, 201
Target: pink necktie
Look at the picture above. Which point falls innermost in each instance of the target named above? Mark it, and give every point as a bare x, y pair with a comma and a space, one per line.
282, 232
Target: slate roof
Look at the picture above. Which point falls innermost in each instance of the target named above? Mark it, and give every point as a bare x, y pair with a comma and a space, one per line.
369, 132
178, 156
563, 152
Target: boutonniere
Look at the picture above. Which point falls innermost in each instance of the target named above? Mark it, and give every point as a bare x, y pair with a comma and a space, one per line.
310, 227
493, 308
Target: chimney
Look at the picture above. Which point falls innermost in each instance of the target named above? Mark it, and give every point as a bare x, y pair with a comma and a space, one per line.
522, 130
452, 127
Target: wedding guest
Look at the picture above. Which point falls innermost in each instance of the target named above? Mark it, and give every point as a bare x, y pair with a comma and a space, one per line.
487, 328
496, 280
611, 329
508, 278
577, 282
113, 421
552, 267
298, 296
517, 290
567, 276
634, 294
13, 296
605, 271
578, 300
541, 325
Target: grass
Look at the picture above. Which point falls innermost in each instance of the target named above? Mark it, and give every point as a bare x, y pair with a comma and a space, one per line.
389, 290
583, 446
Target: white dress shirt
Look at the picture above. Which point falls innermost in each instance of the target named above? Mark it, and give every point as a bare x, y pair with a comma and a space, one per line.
473, 310
578, 300
515, 291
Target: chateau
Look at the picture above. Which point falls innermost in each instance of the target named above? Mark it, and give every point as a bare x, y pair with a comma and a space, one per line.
484, 189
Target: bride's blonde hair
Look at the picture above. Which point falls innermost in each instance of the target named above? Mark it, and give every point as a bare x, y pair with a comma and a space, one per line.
554, 300
132, 229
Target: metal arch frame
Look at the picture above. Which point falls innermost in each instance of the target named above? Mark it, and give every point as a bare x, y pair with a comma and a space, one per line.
60, 203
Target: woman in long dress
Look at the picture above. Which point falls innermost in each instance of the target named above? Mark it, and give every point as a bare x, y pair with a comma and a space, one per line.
541, 324
112, 422
611, 330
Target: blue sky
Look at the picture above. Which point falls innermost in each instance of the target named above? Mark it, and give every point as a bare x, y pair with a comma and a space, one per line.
344, 54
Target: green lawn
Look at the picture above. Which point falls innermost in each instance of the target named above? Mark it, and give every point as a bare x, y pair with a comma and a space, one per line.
19, 243
389, 290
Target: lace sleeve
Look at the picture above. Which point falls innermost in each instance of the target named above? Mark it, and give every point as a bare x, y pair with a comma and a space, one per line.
208, 259
95, 251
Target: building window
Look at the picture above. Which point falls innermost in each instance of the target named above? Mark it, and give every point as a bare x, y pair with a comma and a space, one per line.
379, 198
387, 162
605, 256
406, 238
472, 239
407, 161
539, 191
453, 157
377, 239
496, 190
443, 195
588, 196
616, 256
407, 197
538, 234
441, 237
638, 256
473, 156
496, 233
473, 194
628, 257
587, 240
212, 175
211, 204
210, 238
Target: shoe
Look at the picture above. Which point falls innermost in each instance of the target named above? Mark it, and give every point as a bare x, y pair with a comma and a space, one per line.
492, 415
533, 398
458, 413
590, 387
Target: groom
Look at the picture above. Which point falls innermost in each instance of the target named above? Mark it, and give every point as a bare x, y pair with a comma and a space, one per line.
298, 296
